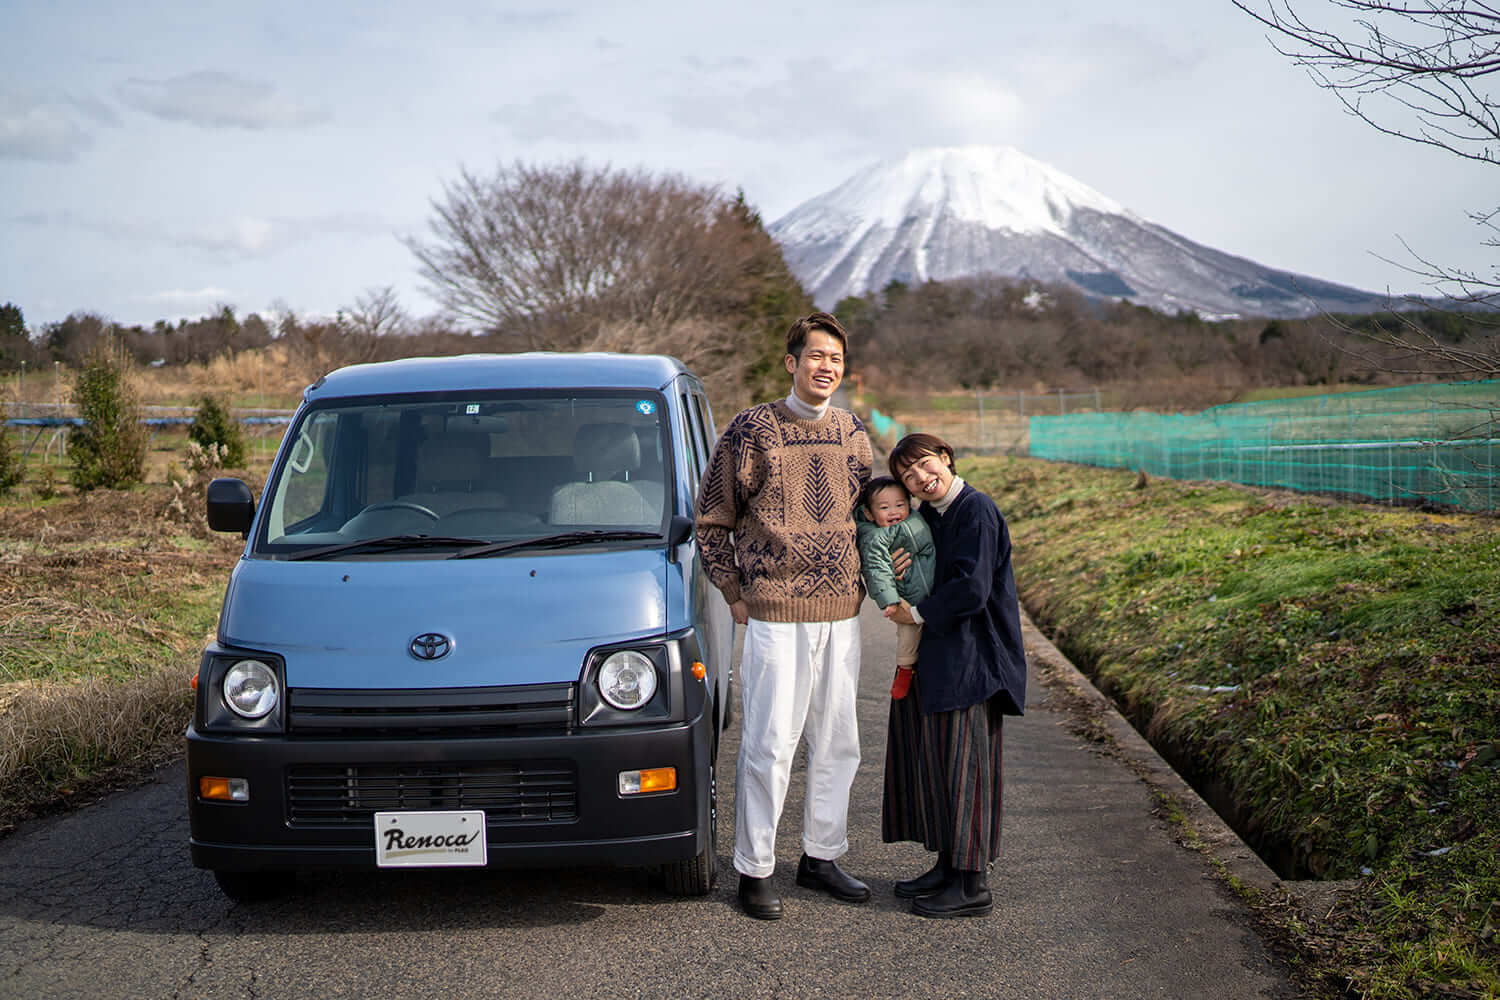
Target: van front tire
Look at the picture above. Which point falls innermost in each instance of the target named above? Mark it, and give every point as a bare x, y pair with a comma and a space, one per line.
696, 876
254, 887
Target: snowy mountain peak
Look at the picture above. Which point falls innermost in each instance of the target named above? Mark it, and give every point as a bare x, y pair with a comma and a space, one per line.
955, 212
997, 187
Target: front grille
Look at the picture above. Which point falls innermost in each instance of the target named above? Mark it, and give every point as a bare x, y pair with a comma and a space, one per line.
524, 792
323, 713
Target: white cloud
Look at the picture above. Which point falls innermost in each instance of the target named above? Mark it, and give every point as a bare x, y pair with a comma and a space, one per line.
877, 108
185, 298
54, 129
244, 237
560, 117
211, 99
974, 108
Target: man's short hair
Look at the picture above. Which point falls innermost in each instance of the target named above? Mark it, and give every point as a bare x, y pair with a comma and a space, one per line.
796, 337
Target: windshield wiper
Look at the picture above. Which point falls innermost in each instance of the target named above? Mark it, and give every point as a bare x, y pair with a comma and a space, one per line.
558, 541
387, 543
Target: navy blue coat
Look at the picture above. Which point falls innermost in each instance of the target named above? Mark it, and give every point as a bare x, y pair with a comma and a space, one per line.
971, 633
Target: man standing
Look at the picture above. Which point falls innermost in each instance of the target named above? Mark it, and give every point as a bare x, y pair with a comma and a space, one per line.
775, 526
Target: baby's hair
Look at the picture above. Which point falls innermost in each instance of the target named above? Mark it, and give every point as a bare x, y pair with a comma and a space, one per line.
874, 486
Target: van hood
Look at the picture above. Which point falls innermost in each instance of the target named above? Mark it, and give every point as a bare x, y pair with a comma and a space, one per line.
520, 619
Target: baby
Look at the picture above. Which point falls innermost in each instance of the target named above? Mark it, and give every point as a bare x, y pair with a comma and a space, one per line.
884, 523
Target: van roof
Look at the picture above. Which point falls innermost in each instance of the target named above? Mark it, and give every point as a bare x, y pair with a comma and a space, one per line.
538, 370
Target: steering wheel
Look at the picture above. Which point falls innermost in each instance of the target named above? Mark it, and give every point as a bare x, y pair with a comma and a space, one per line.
400, 505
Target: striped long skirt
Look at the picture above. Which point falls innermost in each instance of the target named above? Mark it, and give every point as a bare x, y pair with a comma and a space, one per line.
943, 780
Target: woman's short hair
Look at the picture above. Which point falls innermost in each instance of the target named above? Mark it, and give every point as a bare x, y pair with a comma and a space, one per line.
914, 447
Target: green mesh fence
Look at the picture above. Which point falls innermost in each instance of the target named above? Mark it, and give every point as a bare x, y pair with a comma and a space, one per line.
1435, 443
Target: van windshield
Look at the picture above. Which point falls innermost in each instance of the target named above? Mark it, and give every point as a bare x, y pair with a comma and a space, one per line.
451, 470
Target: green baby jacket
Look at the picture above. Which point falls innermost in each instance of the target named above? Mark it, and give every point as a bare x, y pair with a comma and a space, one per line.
875, 544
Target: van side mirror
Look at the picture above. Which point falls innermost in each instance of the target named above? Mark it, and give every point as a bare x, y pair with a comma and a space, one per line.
679, 530
231, 506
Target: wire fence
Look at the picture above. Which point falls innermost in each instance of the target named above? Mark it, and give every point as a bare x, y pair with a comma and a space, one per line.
34, 423
984, 420
1438, 444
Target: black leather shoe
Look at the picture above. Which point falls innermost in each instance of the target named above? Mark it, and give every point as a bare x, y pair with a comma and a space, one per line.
930, 881
759, 899
967, 895
825, 876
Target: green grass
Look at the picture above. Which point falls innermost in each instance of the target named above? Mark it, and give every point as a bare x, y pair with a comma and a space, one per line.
1299, 391
1337, 668
117, 633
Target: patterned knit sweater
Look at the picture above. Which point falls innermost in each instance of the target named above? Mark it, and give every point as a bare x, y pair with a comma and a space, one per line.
776, 513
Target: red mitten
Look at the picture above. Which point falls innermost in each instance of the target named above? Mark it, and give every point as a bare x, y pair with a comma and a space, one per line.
902, 683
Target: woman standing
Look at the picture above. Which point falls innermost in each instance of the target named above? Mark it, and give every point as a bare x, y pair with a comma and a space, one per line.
943, 752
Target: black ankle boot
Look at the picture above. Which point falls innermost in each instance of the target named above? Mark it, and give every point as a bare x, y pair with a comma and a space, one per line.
929, 881
758, 898
826, 876
968, 895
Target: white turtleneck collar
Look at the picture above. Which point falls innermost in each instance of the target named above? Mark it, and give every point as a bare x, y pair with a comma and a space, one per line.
805, 411
941, 506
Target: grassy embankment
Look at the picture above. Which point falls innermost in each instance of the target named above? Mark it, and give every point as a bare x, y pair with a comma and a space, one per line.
1330, 673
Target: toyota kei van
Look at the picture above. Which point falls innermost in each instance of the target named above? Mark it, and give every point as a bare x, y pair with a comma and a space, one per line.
469, 627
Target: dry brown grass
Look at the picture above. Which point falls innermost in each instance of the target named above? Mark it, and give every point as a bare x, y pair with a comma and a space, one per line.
62, 741
272, 378
106, 600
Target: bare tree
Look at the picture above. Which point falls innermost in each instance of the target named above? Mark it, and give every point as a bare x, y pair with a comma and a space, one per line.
1420, 70
376, 312
375, 315
546, 254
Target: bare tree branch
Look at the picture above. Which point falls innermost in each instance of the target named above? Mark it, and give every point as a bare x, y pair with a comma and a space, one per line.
1432, 59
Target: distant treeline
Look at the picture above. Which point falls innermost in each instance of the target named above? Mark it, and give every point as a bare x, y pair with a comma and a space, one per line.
71, 340
1002, 333
976, 333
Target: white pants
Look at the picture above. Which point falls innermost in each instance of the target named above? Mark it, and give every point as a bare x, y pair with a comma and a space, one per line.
797, 679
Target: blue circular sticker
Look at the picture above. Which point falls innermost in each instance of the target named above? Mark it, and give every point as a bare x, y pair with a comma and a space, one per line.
646, 407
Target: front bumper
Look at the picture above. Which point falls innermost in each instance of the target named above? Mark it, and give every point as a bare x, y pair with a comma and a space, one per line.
309, 799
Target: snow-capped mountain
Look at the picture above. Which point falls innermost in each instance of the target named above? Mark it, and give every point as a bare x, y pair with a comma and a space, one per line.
950, 213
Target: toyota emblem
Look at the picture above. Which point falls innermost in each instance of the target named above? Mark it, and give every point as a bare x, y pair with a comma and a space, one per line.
431, 646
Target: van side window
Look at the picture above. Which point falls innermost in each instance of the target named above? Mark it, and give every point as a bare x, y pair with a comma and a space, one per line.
694, 443
705, 423
307, 472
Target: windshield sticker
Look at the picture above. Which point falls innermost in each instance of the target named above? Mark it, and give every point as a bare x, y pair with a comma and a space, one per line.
646, 407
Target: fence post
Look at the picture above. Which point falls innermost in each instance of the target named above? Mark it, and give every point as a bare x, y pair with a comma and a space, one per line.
1062, 404
979, 400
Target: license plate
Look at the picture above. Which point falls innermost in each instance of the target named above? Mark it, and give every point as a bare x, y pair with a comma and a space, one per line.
429, 839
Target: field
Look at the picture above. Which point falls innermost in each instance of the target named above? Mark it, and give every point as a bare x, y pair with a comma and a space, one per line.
106, 598
1326, 674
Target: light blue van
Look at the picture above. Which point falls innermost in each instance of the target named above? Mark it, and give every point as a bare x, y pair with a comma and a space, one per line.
469, 627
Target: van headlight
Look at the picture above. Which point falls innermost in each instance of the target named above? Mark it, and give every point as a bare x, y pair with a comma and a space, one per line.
250, 689
627, 680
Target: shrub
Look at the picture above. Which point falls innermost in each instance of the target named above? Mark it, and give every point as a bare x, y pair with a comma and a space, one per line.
188, 488
109, 449
213, 424
10, 463
46, 485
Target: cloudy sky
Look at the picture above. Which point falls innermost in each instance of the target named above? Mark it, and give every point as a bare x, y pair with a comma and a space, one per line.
160, 159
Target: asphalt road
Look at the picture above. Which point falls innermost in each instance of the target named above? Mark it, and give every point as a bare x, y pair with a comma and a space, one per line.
1096, 899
